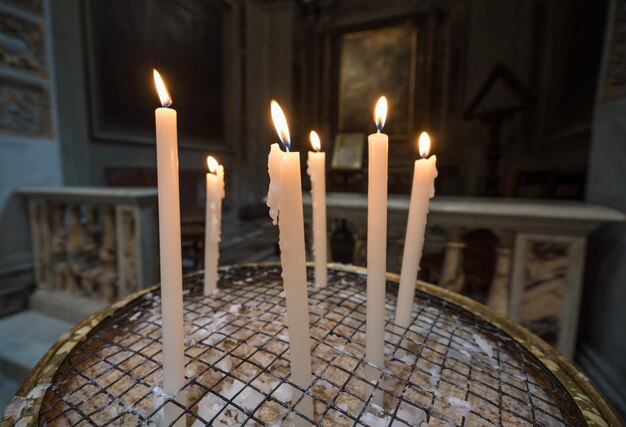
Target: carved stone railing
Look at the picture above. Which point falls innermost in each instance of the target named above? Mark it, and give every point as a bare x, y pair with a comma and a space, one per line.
91, 246
540, 254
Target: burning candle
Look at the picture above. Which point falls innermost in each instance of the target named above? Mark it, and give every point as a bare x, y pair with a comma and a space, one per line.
376, 245
317, 171
423, 189
284, 199
170, 253
213, 223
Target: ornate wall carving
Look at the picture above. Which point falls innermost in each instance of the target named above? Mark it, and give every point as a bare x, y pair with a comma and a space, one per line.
130, 252
544, 288
24, 103
97, 245
22, 46
614, 79
24, 108
34, 7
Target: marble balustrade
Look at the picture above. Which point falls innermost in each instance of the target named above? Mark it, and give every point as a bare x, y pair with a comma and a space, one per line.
540, 254
91, 246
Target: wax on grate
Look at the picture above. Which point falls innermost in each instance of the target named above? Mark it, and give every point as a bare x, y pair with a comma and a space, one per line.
448, 368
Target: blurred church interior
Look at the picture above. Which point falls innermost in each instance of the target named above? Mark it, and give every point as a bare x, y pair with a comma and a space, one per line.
525, 102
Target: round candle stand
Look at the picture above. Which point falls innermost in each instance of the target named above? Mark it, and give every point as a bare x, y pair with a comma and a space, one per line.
458, 363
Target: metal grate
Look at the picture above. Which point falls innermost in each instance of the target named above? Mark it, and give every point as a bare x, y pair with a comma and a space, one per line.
448, 368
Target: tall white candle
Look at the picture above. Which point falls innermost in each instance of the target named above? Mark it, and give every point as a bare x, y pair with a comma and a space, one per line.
317, 171
376, 245
213, 223
170, 253
284, 199
423, 189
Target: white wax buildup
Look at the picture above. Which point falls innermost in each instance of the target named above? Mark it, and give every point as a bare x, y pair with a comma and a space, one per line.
285, 202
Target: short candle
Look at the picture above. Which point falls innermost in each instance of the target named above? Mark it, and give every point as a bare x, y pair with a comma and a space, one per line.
213, 223
316, 169
423, 189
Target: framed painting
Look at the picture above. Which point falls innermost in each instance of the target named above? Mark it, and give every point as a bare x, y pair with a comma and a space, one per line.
348, 151
375, 62
184, 40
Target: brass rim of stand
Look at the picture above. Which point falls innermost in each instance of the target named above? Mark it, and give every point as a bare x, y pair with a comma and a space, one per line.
592, 405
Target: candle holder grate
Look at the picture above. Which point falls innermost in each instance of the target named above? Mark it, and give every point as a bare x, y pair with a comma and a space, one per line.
450, 367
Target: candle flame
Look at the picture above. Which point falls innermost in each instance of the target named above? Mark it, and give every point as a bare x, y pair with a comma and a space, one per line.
280, 123
380, 113
424, 144
212, 164
164, 95
315, 141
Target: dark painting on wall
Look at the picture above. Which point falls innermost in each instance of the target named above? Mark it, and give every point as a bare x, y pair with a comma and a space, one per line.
184, 40
348, 151
372, 63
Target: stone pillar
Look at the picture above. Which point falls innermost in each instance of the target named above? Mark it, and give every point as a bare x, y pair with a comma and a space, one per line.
395, 247
452, 275
360, 246
498, 296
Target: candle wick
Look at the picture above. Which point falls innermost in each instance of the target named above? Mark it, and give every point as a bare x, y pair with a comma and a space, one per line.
284, 145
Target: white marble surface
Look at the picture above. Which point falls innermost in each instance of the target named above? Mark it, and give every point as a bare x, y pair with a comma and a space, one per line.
95, 242
126, 195
522, 215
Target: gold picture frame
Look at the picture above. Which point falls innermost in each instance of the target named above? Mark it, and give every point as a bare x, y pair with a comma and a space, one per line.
348, 151
391, 51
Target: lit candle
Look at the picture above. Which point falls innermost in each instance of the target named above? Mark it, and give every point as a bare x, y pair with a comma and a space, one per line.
376, 245
284, 199
317, 171
170, 253
213, 223
424, 174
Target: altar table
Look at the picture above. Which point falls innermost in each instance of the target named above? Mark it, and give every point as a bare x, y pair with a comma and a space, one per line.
540, 256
